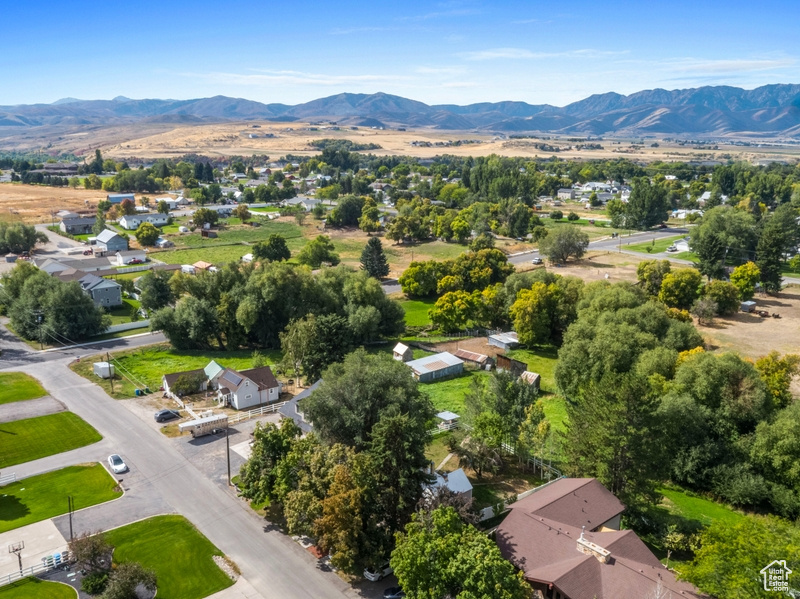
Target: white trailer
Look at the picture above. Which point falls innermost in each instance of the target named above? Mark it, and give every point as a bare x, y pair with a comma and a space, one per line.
205, 426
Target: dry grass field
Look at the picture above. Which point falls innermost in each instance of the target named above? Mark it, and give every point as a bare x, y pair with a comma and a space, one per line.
226, 139
753, 336
36, 203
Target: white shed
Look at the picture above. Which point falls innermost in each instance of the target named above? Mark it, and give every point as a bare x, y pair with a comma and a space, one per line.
105, 370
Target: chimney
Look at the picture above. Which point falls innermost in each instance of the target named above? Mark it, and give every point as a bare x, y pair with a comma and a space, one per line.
589, 548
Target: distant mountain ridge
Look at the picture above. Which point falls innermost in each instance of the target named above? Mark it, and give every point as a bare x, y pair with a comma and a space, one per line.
712, 111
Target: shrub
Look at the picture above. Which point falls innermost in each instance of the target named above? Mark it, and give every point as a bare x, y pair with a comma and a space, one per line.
573, 216
95, 583
556, 215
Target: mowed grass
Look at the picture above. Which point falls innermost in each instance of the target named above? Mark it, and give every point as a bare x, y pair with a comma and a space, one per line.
122, 314
147, 365
33, 588
657, 246
180, 555
417, 311
18, 386
33, 438
689, 506
43, 496
542, 360
449, 394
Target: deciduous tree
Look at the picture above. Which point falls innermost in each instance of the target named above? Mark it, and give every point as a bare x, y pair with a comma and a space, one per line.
147, 234
564, 243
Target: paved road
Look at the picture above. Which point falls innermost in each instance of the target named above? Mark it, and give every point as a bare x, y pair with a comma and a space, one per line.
32, 408
275, 565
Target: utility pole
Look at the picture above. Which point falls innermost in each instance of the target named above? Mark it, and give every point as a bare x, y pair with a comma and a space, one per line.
70, 509
228, 453
110, 371
39, 318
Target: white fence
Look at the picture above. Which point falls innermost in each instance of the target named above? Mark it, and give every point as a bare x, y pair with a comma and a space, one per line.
135, 268
258, 412
127, 326
8, 479
26, 572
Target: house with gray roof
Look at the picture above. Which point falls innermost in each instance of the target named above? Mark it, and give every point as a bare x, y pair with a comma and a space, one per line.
131, 222
77, 225
247, 388
111, 242
104, 292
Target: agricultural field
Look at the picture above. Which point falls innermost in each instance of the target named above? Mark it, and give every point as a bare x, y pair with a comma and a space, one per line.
33, 438
41, 497
180, 555
18, 386
148, 364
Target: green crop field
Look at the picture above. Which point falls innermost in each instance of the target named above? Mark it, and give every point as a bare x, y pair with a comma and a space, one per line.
148, 364
18, 386
180, 555
43, 496
34, 438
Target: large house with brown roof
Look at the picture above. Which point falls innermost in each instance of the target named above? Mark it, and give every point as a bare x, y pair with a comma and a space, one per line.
566, 540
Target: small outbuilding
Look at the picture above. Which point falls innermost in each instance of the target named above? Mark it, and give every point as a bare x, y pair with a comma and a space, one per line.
504, 341
402, 353
437, 366
447, 420
455, 481
531, 378
482, 361
105, 370
748, 306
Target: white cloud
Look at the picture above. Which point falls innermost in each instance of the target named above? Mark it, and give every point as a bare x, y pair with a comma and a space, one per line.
524, 54
423, 70
736, 65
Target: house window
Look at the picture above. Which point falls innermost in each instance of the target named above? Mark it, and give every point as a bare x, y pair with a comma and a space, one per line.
248, 396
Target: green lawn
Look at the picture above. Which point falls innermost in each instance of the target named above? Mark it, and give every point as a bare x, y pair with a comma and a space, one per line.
660, 245
18, 386
555, 410
240, 233
692, 507
122, 314
178, 553
33, 588
148, 364
33, 438
687, 256
44, 496
417, 311
437, 450
449, 394
541, 360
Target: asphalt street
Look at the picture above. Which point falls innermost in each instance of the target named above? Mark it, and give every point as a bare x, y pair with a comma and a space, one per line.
162, 479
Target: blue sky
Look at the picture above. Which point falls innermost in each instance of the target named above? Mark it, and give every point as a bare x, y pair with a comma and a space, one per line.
457, 51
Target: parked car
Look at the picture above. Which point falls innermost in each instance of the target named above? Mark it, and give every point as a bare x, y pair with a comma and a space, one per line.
394, 593
672, 248
116, 464
164, 415
376, 575
536, 261
136, 261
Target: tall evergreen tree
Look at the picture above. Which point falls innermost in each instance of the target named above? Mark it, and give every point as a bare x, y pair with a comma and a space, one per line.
373, 259
769, 256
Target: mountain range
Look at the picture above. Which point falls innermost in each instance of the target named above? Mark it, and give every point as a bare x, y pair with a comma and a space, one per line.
710, 111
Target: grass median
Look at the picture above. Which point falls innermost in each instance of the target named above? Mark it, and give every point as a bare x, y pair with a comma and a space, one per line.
180, 555
45, 496
18, 386
33, 438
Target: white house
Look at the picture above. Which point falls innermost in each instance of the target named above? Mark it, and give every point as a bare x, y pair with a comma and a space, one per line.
402, 353
247, 388
131, 222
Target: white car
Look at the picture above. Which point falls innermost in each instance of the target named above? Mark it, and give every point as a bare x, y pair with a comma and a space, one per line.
116, 464
380, 573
